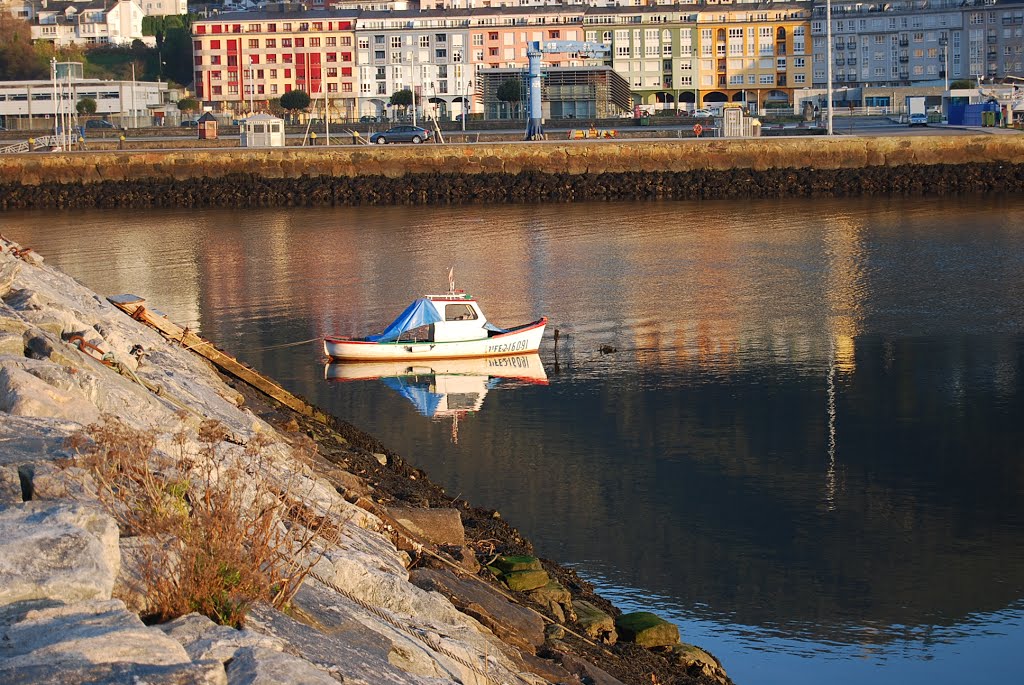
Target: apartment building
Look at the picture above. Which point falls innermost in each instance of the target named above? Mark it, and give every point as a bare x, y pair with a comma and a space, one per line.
909, 43
438, 54
758, 54
688, 56
245, 59
96, 22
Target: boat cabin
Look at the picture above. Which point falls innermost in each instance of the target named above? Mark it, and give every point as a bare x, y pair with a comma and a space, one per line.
461, 319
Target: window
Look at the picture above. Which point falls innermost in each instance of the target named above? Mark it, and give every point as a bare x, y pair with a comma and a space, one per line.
271, 42
459, 312
254, 43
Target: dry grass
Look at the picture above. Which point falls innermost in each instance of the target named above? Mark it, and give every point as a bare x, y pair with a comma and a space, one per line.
222, 527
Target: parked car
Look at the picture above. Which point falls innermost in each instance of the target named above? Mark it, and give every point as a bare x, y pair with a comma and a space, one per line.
401, 134
703, 113
368, 119
918, 119
99, 123
189, 123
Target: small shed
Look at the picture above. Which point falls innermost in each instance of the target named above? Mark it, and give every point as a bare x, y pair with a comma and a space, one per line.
207, 127
262, 130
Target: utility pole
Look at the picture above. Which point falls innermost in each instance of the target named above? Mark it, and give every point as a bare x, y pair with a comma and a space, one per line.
828, 62
134, 115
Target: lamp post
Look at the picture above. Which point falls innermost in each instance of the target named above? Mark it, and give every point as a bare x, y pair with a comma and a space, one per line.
828, 63
135, 119
944, 41
252, 87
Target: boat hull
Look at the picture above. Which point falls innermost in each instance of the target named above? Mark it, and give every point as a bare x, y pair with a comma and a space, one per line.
516, 341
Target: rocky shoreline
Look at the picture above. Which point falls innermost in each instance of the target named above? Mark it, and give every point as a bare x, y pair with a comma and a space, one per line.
323, 556
245, 190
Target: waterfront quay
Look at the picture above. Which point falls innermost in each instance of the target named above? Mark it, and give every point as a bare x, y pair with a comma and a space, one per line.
555, 171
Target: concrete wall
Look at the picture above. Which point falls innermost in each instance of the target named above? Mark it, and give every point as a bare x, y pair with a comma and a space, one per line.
514, 173
572, 158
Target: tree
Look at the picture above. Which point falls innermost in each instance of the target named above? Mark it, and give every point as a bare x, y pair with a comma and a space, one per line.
510, 91
295, 100
86, 106
402, 98
961, 84
18, 58
188, 105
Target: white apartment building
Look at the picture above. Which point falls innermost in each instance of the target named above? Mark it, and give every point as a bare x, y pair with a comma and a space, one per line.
97, 22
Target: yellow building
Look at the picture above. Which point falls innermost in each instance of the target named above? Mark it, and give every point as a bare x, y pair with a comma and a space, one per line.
758, 55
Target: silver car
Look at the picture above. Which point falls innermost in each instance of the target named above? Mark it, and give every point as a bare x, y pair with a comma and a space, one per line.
401, 134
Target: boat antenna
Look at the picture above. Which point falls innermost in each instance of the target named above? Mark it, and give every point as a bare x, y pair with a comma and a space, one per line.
451, 279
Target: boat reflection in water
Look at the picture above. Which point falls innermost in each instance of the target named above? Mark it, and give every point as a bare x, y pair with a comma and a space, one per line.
445, 388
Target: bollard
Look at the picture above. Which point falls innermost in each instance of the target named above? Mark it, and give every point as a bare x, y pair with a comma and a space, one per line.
312, 138
120, 142
31, 144
81, 142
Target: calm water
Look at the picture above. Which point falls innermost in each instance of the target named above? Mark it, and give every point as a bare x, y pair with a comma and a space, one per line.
806, 450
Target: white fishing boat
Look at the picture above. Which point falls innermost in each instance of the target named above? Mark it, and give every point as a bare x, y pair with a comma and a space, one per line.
447, 326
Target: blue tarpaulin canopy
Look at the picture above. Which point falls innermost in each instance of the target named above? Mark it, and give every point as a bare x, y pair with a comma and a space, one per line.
420, 313
417, 392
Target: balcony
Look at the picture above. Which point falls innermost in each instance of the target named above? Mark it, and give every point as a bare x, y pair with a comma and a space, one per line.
991, 40
852, 45
840, 46
904, 75
840, 62
904, 59
904, 42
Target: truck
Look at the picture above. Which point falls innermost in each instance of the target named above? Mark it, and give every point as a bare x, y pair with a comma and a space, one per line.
917, 114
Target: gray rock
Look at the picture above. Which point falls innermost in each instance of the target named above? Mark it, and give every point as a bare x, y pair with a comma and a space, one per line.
439, 526
342, 645
260, 666
12, 344
698, 662
512, 623
596, 624
28, 439
10, 485
556, 599
203, 639
647, 629
62, 551
204, 673
91, 632
23, 394
586, 670
48, 481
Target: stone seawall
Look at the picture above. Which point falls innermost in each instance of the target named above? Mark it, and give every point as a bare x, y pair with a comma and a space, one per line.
442, 174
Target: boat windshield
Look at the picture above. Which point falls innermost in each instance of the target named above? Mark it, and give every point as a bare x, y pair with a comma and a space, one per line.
421, 312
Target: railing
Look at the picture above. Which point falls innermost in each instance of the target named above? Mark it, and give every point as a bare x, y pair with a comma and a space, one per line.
40, 142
